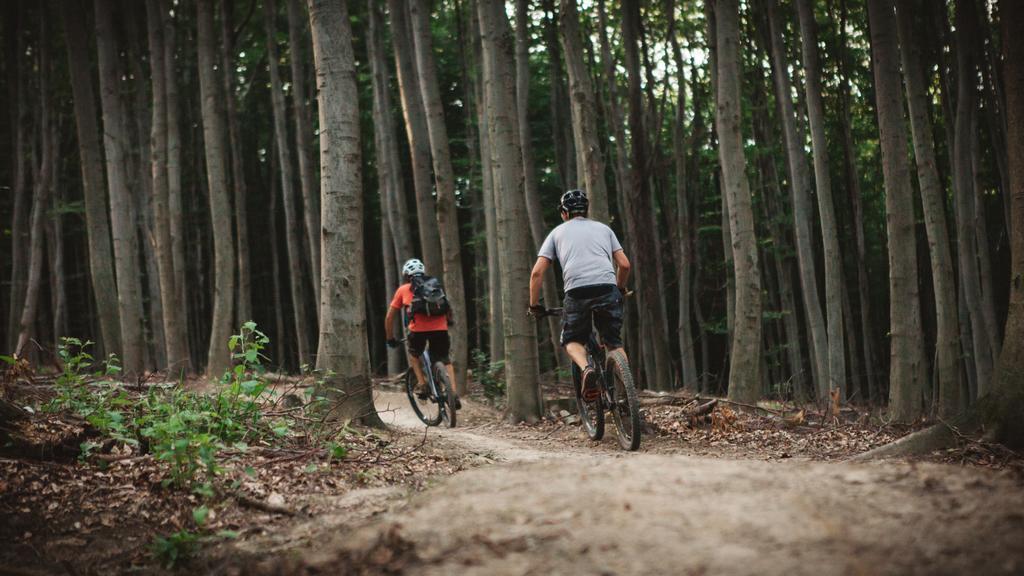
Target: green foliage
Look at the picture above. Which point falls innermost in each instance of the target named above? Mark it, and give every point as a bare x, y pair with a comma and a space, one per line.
175, 548
489, 375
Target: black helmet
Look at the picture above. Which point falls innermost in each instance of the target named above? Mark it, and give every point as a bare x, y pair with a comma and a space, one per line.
574, 202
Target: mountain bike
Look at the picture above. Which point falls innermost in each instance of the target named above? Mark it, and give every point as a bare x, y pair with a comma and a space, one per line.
618, 392
439, 405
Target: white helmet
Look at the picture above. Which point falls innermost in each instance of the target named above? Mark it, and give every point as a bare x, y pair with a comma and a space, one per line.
413, 267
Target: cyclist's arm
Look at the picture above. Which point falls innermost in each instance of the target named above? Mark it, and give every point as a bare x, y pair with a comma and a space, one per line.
389, 322
621, 269
537, 278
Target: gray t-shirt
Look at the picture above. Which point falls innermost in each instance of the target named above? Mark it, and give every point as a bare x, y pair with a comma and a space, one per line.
584, 248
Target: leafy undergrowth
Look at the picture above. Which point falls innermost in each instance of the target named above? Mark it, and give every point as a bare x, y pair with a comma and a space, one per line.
110, 476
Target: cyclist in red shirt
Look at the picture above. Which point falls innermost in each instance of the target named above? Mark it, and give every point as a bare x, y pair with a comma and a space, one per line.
424, 330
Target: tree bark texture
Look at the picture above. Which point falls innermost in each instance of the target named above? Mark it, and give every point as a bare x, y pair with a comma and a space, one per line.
343, 347
174, 194
826, 206
417, 133
521, 368
101, 257
908, 370
744, 377
444, 179
293, 227
947, 339
122, 213
218, 356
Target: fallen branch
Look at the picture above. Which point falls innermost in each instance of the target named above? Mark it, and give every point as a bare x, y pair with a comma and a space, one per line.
264, 506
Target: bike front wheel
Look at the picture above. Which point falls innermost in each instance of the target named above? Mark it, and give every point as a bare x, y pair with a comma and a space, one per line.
625, 406
427, 409
447, 393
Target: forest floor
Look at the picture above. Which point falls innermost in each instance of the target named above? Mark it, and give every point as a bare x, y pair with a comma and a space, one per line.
732, 492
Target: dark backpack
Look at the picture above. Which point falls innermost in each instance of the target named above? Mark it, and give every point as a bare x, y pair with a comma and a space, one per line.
428, 297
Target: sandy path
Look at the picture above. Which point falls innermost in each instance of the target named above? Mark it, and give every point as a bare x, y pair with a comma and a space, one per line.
546, 510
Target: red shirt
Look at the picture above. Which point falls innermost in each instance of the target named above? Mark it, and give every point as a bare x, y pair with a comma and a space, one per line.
419, 322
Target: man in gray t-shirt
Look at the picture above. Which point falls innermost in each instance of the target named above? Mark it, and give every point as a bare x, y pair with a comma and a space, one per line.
595, 270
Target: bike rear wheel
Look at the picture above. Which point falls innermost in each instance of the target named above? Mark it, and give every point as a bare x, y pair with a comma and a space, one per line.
625, 406
428, 410
591, 412
444, 389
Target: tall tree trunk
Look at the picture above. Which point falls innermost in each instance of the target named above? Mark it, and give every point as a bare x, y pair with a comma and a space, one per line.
641, 211
444, 178
275, 262
683, 221
55, 247
533, 208
43, 188
417, 133
947, 340
218, 356
908, 368
293, 237
496, 330
558, 102
175, 342
175, 211
988, 307
243, 308
101, 258
803, 213
122, 217
854, 194
343, 347
744, 378
521, 369
970, 280
393, 229
584, 111
826, 206
1007, 389
303, 135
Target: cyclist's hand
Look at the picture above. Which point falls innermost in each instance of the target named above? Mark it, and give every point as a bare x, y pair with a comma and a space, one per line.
537, 311
392, 343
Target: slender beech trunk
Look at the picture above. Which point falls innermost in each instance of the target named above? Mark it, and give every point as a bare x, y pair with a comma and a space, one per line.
122, 213
988, 307
746, 343
584, 111
947, 340
533, 209
826, 206
970, 281
275, 262
496, 319
175, 340
521, 369
101, 258
908, 368
803, 212
641, 211
303, 139
55, 247
13, 49
444, 178
175, 212
1007, 389
43, 188
243, 307
417, 133
293, 238
558, 103
388, 176
387, 155
343, 347
218, 356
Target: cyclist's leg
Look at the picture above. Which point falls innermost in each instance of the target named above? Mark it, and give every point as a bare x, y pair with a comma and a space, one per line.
576, 327
415, 344
608, 314
440, 349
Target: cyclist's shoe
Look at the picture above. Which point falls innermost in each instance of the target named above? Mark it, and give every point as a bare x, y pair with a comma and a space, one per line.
458, 403
589, 389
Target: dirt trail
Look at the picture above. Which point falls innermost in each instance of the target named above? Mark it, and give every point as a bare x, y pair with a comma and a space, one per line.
550, 509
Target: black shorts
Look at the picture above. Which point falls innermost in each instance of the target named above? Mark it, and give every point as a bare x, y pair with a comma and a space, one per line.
438, 342
587, 306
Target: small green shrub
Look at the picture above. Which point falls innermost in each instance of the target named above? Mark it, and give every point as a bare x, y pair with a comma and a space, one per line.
489, 374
